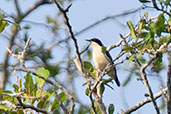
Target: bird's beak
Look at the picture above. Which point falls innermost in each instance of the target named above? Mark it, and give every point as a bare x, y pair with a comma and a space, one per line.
88, 40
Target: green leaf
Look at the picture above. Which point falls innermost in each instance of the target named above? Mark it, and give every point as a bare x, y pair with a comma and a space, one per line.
131, 58
16, 88
159, 24
44, 73
2, 26
20, 111
89, 68
1, 16
41, 103
54, 70
102, 88
29, 85
127, 48
137, 74
146, 95
133, 33
62, 96
111, 109
4, 108
87, 91
127, 80
54, 105
103, 49
89, 54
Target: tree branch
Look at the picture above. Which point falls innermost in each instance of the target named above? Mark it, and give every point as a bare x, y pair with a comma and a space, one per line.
145, 101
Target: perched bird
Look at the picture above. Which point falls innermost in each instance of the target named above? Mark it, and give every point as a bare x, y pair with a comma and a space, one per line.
102, 59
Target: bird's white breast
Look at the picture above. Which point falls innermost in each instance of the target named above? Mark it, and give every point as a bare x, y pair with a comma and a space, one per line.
99, 58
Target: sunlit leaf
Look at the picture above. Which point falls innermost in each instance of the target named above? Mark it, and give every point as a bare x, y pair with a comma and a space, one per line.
16, 88
2, 25
131, 58
133, 32
29, 85
44, 73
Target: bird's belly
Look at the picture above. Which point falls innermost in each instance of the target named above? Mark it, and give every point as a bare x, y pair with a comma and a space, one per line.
100, 61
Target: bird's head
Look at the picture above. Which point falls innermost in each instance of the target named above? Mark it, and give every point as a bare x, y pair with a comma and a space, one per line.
95, 42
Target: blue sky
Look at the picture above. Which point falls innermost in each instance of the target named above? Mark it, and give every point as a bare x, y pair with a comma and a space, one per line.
81, 14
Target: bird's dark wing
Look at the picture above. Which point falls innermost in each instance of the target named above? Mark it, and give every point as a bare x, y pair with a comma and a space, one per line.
109, 56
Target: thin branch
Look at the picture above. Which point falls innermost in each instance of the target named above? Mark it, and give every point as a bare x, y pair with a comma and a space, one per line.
71, 32
6, 102
145, 101
31, 107
60, 103
160, 9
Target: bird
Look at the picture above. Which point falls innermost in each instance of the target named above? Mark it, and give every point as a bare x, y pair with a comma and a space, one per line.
101, 59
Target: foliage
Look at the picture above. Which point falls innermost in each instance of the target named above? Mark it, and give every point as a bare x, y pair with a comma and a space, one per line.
41, 89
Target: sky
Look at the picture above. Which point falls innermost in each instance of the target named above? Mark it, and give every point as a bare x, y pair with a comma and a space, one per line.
81, 14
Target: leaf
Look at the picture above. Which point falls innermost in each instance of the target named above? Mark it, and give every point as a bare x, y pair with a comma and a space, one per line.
87, 91
2, 26
159, 24
131, 58
62, 96
133, 33
20, 111
103, 49
54, 70
54, 105
89, 54
16, 88
29, 85
111, 109
44, 73
1, 16
3, 107
89, 68
137, 74
102, 88
146, 95
127, 80
127, 48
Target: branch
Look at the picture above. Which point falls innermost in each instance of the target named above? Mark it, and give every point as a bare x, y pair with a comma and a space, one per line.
145, 101
71, 32
157, 8
169, 84
6, 102
31, 107
60, 103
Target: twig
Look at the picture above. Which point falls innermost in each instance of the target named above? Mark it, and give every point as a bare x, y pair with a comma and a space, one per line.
21, 55
144, 77
157, 8
6, 102
31, 106
60, 103
71, 32
145, 101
